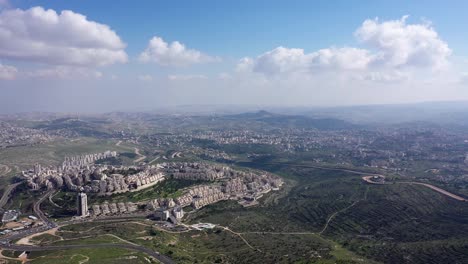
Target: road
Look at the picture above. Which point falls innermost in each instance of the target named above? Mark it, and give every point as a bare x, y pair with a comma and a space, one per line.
442, 191
38, 211
368, 179
141, 157
6, 195
154, 254
322, 168
5, 241
369, 175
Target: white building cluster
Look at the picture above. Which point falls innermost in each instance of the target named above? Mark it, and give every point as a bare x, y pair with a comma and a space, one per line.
107, 208
205, 195
196, 171
226, 183
81, 174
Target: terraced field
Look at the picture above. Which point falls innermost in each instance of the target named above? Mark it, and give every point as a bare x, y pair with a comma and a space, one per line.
395, 223
405, 224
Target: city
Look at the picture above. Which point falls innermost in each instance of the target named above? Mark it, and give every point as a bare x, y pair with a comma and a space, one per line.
232, 132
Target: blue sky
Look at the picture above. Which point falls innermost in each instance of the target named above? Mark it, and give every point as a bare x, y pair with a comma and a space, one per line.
247, 28
232, 53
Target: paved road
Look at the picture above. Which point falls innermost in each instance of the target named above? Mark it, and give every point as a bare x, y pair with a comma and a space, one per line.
5, 241
322, 168
6, 195
442, 191
38, 211
154, 254
367, 178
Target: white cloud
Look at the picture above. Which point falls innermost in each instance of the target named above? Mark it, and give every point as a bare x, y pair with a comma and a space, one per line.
67, 38
245, 65
285, 60
185, 77
145, 78
64, 72
173, 54
384, 77
395, 45
7, 72
400, 44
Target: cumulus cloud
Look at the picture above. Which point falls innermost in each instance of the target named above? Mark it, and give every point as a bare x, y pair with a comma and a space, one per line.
395, 45
285, 60
385, 77
401, 44
7, 72
173, 54
67, 38
245, 65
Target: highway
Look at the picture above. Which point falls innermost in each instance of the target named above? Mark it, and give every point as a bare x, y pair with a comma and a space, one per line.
5, 241
369, 175
6, 195
39, 213
368, 179
439, 190
154, 254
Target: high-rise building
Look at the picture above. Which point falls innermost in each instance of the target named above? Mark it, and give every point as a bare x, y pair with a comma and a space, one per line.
82, 204
178, 212
37, 168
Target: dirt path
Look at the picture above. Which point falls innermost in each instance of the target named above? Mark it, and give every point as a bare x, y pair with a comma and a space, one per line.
27, 240
155, 159
334, 214
5, 257
121, 239
241, 237
81, 261
142, 157
4, 170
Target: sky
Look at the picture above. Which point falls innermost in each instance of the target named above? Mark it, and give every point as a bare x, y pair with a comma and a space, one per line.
98, 56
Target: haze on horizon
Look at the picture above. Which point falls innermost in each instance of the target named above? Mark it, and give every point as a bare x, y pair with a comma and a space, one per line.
105, 56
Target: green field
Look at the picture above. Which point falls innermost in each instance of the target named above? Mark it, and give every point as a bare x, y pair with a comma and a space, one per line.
393, 223
52, 153
318, 216
88, 255
213, 246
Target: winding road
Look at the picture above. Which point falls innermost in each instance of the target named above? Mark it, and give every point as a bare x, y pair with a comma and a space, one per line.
5, 241
6, 195
154, 254
38, 211
368, 176
141, 156
368, 179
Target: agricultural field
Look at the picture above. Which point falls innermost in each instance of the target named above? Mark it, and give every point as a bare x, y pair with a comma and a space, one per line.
211, 246
53, 153
86, 255
395, 223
